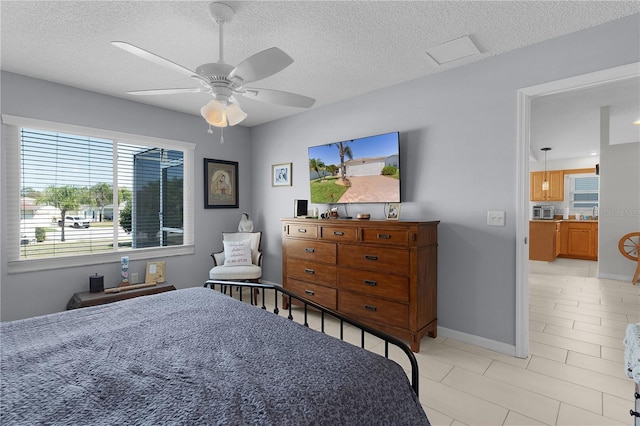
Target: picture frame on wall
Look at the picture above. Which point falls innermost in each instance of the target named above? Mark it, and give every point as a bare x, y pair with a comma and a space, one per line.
394, 211
281, 174
220, 184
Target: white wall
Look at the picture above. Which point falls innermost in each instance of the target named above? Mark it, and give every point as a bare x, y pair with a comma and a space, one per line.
619, 201
458, 160
35, 293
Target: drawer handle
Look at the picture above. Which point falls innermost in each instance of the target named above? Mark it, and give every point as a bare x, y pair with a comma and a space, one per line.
309, 292
384, 236
309, 250
371, 257
370, 308
310, 271
302, 230
338, 233
371, 283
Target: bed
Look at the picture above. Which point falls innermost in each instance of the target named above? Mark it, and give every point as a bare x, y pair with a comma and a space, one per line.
193, 356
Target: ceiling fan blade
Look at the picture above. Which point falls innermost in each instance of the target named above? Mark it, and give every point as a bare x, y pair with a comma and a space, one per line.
278, 97
261, 65
165, 91
152, 57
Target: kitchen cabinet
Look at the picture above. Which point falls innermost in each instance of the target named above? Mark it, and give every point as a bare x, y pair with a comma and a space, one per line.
573, 239
556, 186
582, 240
544, 240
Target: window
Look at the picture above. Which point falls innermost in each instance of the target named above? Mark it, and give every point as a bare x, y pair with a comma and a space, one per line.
90, 194
584, 191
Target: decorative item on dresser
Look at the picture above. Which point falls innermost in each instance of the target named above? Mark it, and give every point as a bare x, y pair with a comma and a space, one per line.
379, 272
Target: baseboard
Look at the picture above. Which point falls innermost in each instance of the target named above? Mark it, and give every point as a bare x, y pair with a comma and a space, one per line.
483, 342
615, 277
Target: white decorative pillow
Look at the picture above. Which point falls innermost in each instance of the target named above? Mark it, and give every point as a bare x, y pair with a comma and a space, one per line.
237, 253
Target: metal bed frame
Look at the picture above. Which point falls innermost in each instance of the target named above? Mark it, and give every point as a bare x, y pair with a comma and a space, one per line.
306, 304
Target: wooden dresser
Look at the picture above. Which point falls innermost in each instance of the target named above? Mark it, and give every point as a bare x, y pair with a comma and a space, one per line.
382, 273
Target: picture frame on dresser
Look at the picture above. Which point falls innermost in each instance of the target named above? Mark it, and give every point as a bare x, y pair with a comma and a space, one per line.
220, 184
394, 211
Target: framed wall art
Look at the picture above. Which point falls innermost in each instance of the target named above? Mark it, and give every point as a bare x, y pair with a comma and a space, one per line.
220, 184
281, 174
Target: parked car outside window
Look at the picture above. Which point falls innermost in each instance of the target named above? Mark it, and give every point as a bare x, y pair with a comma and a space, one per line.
75, 222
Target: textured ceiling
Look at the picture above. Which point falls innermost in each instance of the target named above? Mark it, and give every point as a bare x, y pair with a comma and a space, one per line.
341, 49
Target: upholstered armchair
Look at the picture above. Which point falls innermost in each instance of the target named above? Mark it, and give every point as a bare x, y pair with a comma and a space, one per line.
241, 259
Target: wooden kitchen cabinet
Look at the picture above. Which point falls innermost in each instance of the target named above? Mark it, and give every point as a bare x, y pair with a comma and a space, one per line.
382, 273
582, 240
543, 240
556, 186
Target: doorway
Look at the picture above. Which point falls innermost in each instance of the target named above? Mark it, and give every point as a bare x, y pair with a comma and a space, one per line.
525, 97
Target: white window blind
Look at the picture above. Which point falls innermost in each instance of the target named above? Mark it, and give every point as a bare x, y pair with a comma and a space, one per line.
77, 196
585, 192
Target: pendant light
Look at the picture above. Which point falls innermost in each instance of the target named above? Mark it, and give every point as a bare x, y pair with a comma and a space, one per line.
545, 182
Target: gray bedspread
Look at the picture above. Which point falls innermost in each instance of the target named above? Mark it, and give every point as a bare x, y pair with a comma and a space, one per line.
192, 356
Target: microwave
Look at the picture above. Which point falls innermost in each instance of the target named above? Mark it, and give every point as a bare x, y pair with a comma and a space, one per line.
543, 212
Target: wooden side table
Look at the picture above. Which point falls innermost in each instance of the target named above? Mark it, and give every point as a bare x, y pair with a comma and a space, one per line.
86, 298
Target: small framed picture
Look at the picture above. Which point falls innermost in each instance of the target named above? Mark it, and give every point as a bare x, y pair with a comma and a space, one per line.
281, 174
155, 272
220, 184
394, 211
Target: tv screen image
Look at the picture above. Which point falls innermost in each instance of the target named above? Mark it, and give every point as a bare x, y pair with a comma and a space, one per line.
364, 170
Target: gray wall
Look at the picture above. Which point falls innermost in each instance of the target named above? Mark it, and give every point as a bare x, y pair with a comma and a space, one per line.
28, 294
458, 160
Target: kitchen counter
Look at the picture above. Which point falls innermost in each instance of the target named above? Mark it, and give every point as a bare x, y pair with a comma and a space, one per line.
571, 238
563, 220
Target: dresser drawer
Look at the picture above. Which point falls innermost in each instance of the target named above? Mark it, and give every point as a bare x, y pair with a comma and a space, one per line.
391, 237
311, 272
374, 258
338, 233
325, 296
373, 309
377, 284
301, 230
314, 251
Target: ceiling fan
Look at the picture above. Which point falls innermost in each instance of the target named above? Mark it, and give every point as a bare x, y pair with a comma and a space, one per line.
224, 81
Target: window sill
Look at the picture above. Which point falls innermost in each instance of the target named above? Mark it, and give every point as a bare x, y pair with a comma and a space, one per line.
62, 262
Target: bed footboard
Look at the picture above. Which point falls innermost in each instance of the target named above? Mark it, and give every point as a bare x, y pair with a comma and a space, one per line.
258, 298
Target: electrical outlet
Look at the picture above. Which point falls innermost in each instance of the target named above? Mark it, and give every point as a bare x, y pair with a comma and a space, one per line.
495, 218
134, 278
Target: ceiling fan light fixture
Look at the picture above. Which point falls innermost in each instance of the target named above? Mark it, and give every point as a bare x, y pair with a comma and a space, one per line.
215, 114
235, 114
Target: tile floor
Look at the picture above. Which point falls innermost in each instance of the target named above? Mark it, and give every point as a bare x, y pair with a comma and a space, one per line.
574, 374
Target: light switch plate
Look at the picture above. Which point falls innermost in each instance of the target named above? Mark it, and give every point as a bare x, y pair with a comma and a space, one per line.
495, 218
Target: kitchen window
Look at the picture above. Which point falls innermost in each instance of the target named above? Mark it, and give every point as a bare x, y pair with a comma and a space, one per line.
585, 191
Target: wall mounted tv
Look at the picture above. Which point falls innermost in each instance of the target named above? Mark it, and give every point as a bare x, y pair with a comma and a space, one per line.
364, 170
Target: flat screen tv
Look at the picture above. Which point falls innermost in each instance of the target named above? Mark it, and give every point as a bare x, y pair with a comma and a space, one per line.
364, 170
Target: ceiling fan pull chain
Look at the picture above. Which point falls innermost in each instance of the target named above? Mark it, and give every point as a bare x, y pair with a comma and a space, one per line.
210, 131
221, 135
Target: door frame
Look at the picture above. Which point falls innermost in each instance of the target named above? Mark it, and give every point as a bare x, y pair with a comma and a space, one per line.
525, 95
